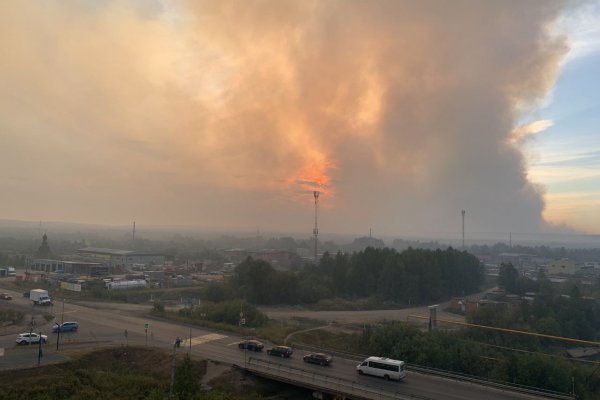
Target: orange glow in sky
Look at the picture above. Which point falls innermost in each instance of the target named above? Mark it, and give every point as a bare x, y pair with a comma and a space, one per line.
316, 177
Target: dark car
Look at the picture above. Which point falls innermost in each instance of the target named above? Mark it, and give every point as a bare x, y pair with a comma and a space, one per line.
280, 351
252, 345
26, 294
318, 358
65, 327
5, 296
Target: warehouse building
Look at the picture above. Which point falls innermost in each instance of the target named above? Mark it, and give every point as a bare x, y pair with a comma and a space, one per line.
120, 258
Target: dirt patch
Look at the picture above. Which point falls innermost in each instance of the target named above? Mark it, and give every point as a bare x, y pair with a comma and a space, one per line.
343, 329
149, 360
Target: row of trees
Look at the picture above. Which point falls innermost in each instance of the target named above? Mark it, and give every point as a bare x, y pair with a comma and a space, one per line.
413, 276
14, 260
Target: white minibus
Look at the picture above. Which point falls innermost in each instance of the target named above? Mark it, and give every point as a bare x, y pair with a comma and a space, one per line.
382, 367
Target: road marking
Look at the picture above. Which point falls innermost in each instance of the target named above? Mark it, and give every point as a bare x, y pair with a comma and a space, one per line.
203, 339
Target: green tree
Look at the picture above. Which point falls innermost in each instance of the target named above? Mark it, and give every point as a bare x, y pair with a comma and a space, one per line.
218, 291
187, 380
507, 277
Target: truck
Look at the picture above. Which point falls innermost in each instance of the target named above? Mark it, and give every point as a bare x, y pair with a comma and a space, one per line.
40, 297
132, 284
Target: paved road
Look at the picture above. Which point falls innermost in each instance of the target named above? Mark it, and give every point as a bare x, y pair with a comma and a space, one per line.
103, 324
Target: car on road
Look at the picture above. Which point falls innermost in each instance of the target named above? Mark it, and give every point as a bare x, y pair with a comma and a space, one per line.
318, 358
5, 296
26, 294
280, 351
26, 338
70, 326
252, 345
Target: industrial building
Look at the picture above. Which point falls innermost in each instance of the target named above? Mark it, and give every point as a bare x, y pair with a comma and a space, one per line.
120, 258
69, 267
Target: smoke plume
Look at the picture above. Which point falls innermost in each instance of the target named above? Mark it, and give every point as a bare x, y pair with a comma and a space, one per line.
230, 113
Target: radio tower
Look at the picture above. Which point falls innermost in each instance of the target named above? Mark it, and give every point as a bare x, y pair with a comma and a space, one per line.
463, 229
316, 228
133, 233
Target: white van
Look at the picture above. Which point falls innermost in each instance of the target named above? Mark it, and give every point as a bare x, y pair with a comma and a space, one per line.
383, 367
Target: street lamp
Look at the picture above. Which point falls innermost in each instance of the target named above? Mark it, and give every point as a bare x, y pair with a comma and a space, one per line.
62, 320
32, 325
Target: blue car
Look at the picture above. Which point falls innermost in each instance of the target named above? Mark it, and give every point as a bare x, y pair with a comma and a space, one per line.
65, 327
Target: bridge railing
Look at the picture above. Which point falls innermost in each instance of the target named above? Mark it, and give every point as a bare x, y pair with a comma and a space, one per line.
320, 381
450, 375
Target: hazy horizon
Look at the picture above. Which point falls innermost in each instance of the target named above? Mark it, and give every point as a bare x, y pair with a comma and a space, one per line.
79, 231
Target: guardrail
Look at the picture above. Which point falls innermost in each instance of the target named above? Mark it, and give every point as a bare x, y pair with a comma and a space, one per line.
326, 383
451, 375
513, 387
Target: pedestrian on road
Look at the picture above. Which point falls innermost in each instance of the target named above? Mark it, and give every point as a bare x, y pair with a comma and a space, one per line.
178, 342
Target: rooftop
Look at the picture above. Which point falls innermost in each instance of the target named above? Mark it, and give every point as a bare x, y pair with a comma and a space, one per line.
100, 250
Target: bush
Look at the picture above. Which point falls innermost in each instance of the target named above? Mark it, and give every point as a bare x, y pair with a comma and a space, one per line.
227, 312
187, 383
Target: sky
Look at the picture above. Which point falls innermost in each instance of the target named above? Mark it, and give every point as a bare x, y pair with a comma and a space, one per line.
229, 114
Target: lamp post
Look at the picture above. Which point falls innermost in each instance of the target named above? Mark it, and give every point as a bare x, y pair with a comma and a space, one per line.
40, 354
172, 372
32, 325
62, 320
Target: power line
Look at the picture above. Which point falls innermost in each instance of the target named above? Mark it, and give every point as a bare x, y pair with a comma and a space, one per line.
588, 342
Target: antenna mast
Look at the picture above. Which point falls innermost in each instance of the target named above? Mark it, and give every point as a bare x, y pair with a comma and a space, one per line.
463, 229
133, 233
316, 228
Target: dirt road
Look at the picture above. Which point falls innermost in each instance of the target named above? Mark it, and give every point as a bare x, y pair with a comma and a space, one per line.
357, 317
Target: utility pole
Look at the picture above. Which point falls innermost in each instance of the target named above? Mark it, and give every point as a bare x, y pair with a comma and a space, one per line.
172, 372
62, 320
31, 327
39, 349
316, 228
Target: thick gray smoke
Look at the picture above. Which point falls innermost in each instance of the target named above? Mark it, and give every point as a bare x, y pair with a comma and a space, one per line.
229, 113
